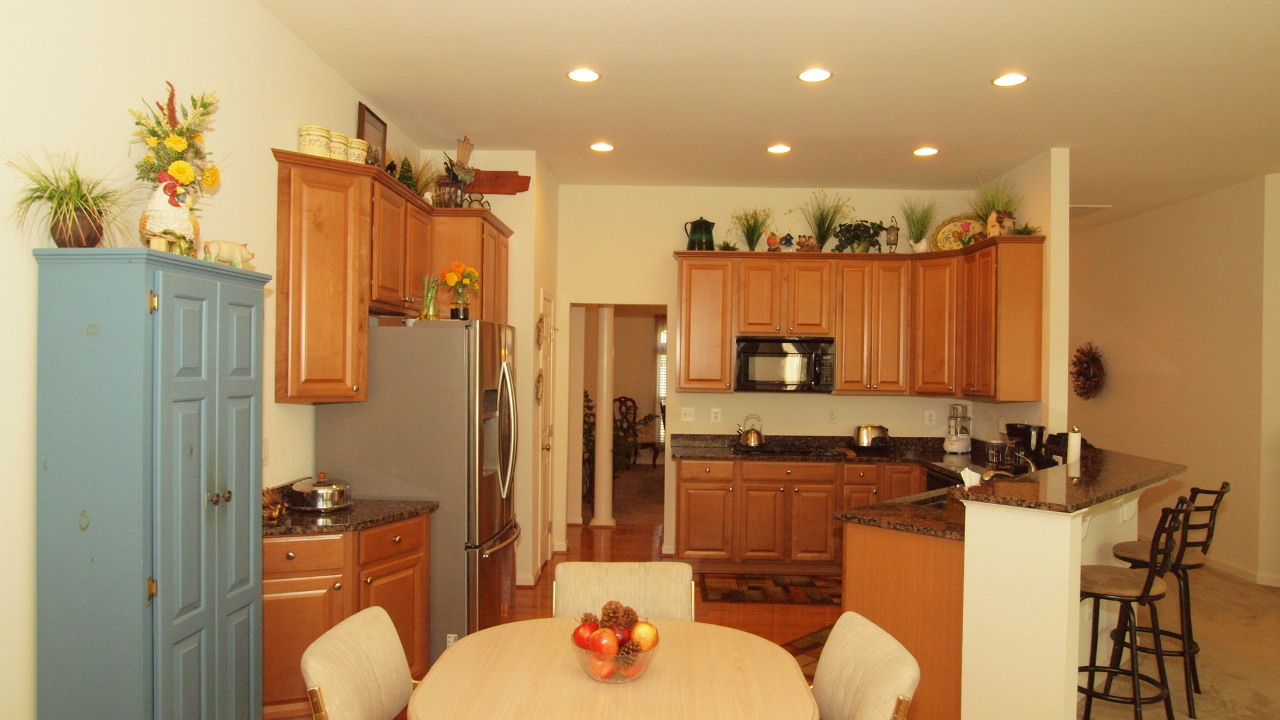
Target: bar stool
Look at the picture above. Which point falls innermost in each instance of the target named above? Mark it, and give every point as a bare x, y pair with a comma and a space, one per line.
1130, 587
1196, 536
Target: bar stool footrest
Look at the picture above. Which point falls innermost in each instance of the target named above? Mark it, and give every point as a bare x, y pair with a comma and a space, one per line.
1112, 674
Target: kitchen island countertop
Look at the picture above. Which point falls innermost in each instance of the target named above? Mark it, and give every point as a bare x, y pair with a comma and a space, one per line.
362, 514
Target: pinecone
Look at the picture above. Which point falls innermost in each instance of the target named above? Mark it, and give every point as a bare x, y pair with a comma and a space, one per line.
628, 618
589, 617
629, 648
611, 614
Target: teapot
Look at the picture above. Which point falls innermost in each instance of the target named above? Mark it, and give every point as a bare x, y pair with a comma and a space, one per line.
750, 436
699, 234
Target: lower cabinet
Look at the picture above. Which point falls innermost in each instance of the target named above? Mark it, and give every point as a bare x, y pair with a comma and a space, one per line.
312, 582
900, 480
861, 486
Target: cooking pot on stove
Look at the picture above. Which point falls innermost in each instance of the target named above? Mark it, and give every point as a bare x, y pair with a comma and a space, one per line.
319, 494
750, 436
871, 436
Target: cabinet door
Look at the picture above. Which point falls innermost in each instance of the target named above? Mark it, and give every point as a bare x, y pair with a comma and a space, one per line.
853, 339
417, 259
704, 340
704, 520
295, 611
810, 293
323, 236
761, 518
390, 235
813, 525
901, 480
760, 298
861, 485
494, 292
978, 321
933, 315
891, 302
400, 587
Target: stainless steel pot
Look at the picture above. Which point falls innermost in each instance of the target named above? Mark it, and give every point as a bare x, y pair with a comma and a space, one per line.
319, 494
871, 436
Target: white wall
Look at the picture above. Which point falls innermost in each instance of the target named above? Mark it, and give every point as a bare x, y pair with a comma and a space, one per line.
73, 70
1175, 300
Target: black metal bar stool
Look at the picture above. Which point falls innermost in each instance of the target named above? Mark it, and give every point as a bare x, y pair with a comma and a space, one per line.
1131, 587
1196, 535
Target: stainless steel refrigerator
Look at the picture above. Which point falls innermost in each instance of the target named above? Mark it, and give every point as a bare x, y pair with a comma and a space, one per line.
439, 424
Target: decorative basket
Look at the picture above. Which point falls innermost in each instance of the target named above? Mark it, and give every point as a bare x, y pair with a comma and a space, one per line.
447, 194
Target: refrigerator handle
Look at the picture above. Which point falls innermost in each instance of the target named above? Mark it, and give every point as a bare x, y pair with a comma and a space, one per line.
507, 393
514, 536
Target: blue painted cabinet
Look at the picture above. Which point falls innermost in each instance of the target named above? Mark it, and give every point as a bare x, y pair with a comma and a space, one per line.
148, 490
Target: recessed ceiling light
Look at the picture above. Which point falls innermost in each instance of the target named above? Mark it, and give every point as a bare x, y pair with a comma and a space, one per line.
1010, 80
925, 151
780, 149
601, 147
815, 75
584, 75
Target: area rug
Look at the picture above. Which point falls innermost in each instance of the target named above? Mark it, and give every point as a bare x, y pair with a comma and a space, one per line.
807, 649
785, 589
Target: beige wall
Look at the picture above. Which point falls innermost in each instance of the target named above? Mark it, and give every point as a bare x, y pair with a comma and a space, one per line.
1174, 299
635, 367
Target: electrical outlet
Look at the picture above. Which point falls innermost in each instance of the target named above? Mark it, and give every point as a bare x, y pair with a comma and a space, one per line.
715, 415
686, 414
831, 416
450, 639
930, 418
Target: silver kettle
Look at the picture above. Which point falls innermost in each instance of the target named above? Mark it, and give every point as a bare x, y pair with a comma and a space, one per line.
871, 436
750, 436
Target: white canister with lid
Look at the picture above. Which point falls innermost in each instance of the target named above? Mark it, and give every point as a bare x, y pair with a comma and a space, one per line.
338, 145
313, 140
358, 151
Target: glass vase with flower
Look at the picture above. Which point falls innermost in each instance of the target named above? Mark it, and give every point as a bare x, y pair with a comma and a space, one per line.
462, 280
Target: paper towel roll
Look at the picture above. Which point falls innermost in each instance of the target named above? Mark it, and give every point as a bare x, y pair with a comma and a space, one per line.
1073, 446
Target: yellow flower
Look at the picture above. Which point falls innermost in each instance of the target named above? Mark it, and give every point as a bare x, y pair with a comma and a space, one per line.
199, 139
176, 143
182, 171
149, 158
212, 176
451, 278
152, 142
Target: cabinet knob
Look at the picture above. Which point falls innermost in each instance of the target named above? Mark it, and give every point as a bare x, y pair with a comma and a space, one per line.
730, 488
368, 580
395, 539
215, 498
788, 472
782, 489
777, 329
355, 388
795, 490
337, 586
289, 556
706, 470
875, 387
226, 496
726, 384
868, 386
791, 330
862, 474
876, 491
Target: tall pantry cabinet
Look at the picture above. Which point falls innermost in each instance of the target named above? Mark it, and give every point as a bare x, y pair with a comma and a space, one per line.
148, 486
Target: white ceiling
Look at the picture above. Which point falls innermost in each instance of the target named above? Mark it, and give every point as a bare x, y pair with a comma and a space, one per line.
1158, 100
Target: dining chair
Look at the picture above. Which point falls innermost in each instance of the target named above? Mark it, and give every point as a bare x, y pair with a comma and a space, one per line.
655, 590
864, 673
357, 669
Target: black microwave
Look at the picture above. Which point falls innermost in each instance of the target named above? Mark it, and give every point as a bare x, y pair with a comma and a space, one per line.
785, 364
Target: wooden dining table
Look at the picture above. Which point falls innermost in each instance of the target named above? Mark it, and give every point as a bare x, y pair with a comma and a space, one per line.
528, 670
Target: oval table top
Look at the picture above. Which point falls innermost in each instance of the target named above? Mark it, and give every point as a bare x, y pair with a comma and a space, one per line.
527, 670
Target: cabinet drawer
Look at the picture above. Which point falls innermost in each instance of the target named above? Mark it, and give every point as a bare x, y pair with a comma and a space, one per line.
391, 540
302, 553
705, 469
820, 471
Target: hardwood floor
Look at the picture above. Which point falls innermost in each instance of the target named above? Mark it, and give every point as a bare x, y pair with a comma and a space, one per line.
638, 543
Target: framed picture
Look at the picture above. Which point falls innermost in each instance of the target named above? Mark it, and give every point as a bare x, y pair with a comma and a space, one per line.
371, 129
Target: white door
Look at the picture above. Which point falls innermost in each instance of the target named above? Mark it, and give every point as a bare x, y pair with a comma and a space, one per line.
544, 394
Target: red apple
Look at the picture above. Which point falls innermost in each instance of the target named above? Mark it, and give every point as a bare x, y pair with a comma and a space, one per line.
645, 635
635, 668
603, 642
582, 634
623, 635
602, 666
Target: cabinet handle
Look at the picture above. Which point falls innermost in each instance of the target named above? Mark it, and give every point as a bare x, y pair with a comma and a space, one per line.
875, 387
395, 539
795, 489
868, 386
368, 580
862, 474
226, 496
337, 586
782, 489
289, 556
876, 491
788, 472
215, 498
706, 470
791, 330
777, 329
730, 488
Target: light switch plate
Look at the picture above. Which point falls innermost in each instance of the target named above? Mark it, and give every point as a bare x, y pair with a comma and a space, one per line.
715, 415
686, 414
930, 418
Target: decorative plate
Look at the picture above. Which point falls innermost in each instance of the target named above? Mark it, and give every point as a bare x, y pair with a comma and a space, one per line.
538, 330
958, 231
537, 388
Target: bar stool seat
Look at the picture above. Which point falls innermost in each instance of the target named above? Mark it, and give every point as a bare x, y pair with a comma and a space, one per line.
1131, 587
1197, 534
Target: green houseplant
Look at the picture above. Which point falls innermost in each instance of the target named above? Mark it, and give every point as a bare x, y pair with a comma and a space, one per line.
997, 202
824, 214
919, 214
752, 224
861, 236
79, 210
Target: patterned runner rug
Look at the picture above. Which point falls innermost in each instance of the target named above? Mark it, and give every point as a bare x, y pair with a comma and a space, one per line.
807, 649
785, 589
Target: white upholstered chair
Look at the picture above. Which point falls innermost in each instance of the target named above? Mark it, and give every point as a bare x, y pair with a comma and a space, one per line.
864, 673
655, 590
357, 670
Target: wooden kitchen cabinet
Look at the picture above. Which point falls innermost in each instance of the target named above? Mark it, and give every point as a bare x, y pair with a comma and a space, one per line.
900, 480
476, 238
401, 252
704, 333
933, 325
1000, 319
705, 509
313, 582
860, 485
785, 297
786, 512
872, 329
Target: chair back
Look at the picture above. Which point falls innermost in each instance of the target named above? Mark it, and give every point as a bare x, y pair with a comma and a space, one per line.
357, 670
863, 673
1204, 514
1167, 547
655, 590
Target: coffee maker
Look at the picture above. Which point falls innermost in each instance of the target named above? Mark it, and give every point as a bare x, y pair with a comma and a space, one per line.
1028, 440
958, 438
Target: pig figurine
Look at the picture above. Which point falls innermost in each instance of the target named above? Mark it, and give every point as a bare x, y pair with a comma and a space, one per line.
228, 253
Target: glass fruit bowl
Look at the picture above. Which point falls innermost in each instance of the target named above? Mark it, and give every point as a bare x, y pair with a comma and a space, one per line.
613, 668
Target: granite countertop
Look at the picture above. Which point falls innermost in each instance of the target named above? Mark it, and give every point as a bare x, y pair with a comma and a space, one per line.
929, 513
362, 514
812, 448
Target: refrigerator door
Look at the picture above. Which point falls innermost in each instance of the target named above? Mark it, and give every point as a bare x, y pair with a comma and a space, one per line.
491, 580
493, 500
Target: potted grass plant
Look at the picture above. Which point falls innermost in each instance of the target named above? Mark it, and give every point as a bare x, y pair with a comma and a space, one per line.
996, 202
919, 215
752, 224
78, 210
824, 214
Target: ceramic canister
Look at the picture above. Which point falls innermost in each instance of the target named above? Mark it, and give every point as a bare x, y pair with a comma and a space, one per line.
358, 151
313, 140
338, 146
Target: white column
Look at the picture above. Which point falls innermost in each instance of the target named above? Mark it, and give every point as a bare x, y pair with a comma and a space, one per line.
602, 514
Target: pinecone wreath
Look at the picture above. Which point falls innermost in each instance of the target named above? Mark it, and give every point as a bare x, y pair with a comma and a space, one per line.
1087, 373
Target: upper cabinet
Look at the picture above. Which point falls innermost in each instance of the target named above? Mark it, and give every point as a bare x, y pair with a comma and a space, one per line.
933, 325
350, 241
785, 297
704, 336
1001, 291
871, 338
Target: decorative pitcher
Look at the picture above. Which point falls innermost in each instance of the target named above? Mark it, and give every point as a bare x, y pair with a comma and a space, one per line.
699, 234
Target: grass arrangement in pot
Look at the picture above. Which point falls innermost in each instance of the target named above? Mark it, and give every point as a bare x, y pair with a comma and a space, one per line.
997, 203
824, 215
919, 215
753, 224
80, 211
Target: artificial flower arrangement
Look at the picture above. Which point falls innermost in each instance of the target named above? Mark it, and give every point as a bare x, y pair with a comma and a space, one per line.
176, 159
461, 279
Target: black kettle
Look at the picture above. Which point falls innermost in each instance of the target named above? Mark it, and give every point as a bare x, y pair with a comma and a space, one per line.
699, 234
